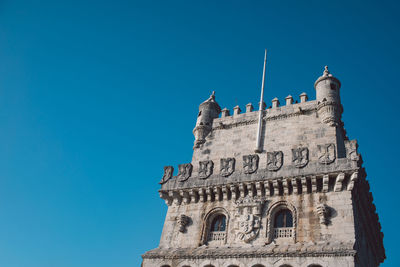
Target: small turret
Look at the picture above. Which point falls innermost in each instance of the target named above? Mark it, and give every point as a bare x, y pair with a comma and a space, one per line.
328, 97
208, 111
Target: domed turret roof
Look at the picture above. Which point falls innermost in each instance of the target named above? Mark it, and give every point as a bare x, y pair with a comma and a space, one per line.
326, 75
211, 101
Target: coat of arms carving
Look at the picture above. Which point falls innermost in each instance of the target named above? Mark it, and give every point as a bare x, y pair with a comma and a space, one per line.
168, 171
249, 227
274, 160
250, 163
249, 217
326, 153
227, 166
184, 172
205, 168
300, 157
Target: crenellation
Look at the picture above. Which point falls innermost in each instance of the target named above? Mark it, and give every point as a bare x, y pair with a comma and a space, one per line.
289, 100
236, 110
249, 108
275, 103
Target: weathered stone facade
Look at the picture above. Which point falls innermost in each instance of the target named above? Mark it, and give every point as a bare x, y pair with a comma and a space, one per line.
303, 201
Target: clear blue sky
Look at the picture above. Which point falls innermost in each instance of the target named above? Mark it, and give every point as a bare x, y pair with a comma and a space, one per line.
97, 96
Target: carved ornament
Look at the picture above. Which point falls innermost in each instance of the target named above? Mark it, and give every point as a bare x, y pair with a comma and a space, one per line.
227, 166
182, 221
168, 171
205, 168
323, 212
184, 172
274, 160
250, 163
326, 153
300, 157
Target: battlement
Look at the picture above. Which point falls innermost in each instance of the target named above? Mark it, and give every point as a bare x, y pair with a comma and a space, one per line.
275, 106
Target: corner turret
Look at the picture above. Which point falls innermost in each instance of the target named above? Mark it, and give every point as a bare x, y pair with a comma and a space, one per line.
328, 96
208, 111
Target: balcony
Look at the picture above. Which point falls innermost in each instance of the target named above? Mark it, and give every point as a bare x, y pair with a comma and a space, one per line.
283, 232
216, 236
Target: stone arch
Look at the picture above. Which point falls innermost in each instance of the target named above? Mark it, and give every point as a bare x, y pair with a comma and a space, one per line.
314, 265
272, 210
258, 265
207, 223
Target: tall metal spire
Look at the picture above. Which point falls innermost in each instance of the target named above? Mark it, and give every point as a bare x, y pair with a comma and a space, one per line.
261, 108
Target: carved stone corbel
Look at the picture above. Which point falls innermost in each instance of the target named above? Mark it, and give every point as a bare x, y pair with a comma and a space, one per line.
325, 183
182, 221
353, 179
323, 212
339, 182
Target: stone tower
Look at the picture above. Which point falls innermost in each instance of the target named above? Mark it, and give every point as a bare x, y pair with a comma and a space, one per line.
302, 201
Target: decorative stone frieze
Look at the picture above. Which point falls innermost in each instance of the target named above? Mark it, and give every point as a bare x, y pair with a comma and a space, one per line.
250, 163
274, 160
227, 166
205, 169
326, 153
300, 157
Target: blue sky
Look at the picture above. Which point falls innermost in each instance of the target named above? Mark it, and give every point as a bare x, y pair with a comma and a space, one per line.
97, 96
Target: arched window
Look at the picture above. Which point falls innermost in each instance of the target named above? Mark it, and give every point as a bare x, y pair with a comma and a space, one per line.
258, 265
218, 224
233, 266
283, 224
165, 266
314, 265
217, 230
283, 218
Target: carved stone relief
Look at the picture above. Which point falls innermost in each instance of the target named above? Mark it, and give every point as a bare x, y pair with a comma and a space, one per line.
227, 166
323, 212
250, 163
351, 147
249, 217
182, 221
274, 160
300, 157
205, 168
185, 171
168, 171
326, 153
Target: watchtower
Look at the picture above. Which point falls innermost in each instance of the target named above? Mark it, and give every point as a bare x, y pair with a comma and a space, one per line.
302, 200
